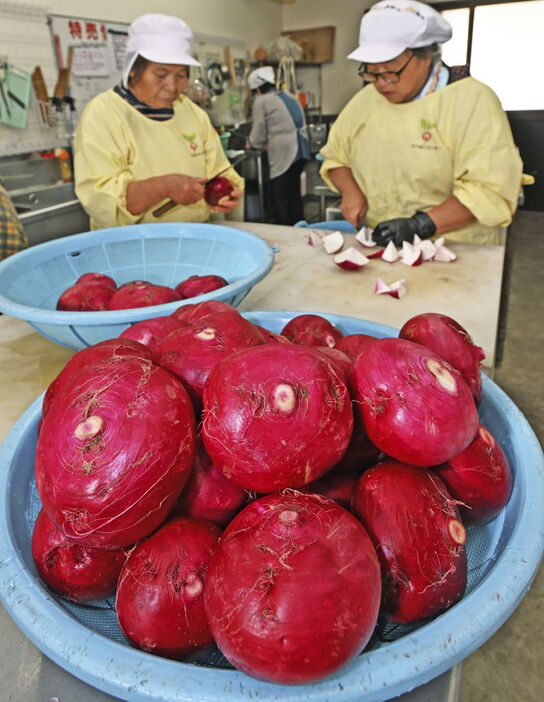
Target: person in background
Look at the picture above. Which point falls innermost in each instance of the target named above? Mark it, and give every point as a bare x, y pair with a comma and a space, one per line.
12, 238
143, 143
421, 149
278, 124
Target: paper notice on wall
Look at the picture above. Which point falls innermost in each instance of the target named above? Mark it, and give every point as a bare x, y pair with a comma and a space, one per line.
117, 41
90, 61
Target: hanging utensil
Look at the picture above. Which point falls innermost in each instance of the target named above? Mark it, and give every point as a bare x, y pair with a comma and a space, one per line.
230, 64
215, 78
163, 209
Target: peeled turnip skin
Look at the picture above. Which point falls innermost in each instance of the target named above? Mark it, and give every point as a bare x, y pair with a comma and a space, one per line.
114, 452
479, 477
415, 407
275, 416
293, 588
450, 341
160, 595
416, 529
79, 573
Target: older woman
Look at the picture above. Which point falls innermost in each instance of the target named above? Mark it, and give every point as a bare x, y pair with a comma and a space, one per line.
143, 142
421, 149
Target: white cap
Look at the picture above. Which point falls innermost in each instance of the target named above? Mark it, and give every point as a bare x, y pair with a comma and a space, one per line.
260, 76
392, 26
161, 39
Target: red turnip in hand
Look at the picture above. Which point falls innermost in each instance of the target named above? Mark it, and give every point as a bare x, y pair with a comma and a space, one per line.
479, 477
450, 341
275, 416
216, 189
293, 588
415, 407
79, 573
160, 595
416, 529
199, 285
114, 451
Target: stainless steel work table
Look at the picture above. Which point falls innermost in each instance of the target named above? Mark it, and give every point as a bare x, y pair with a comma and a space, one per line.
303, 278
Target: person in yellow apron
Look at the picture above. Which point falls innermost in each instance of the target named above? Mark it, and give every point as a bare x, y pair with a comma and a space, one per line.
422, 148
143, 143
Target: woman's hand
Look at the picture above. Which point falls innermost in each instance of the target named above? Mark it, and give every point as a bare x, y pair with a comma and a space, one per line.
184, 189
229, 202
354, 206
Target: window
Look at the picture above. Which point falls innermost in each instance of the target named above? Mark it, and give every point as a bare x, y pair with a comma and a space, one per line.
503, 44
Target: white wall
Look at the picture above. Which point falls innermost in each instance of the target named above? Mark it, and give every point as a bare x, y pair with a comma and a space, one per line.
256, 21
340, 80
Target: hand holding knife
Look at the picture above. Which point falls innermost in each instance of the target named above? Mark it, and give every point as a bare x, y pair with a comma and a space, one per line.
170, 204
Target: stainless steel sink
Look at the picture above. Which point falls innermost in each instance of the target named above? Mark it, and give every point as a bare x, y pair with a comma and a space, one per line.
49, 212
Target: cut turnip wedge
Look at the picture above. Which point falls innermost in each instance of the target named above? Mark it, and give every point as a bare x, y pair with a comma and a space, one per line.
411, 255
390, 254
416, 241
350, 259
314, 238
428, 250
364, 237
333, 242
444, 255
376, 254
396, 289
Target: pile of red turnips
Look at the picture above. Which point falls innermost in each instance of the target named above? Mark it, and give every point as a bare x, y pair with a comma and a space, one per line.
96, 292
274, 494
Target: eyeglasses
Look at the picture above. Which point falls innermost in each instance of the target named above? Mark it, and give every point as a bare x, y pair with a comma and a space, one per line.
388, 76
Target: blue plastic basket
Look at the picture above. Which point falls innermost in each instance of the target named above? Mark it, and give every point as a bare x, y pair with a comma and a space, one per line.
503, 558
32, 280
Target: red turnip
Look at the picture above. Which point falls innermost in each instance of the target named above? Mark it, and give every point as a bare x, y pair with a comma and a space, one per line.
350, 259
419, 538
311, 330
86, 297
79, 573
271, 337
479, 477
208, 494
415, 406
200, 284
160, 596
275, 416
110, 348
97, 277
341, 362
114, 451
150, 332
353, 344
142, 295
293, 588
216, 189
361, 453
450, 341
191, 352
187, 314
337, 486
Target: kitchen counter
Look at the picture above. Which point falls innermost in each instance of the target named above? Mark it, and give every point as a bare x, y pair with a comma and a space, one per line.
303, 278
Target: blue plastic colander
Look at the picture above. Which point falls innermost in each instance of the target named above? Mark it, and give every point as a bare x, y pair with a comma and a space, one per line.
503, 558
31, 281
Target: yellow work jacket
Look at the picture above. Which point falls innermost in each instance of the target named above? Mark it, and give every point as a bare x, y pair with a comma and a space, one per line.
413, 156
115, 144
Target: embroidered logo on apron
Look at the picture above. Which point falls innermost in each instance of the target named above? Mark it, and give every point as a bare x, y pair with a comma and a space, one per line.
427, 126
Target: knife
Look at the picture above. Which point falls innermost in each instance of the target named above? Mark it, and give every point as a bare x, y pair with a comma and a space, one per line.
163, 209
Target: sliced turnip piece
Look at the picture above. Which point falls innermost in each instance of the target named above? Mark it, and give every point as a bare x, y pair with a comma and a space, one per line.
444, 255
428, 250
390, 254
376, 254
350, 259
397, 289
364, 237
333, 242
416, 241
411, 255
313, 238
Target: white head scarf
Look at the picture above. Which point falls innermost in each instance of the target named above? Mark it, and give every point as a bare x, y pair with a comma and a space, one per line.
161, 39
260, 76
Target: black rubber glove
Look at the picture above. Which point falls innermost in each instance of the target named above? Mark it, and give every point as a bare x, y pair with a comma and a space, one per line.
404, 229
